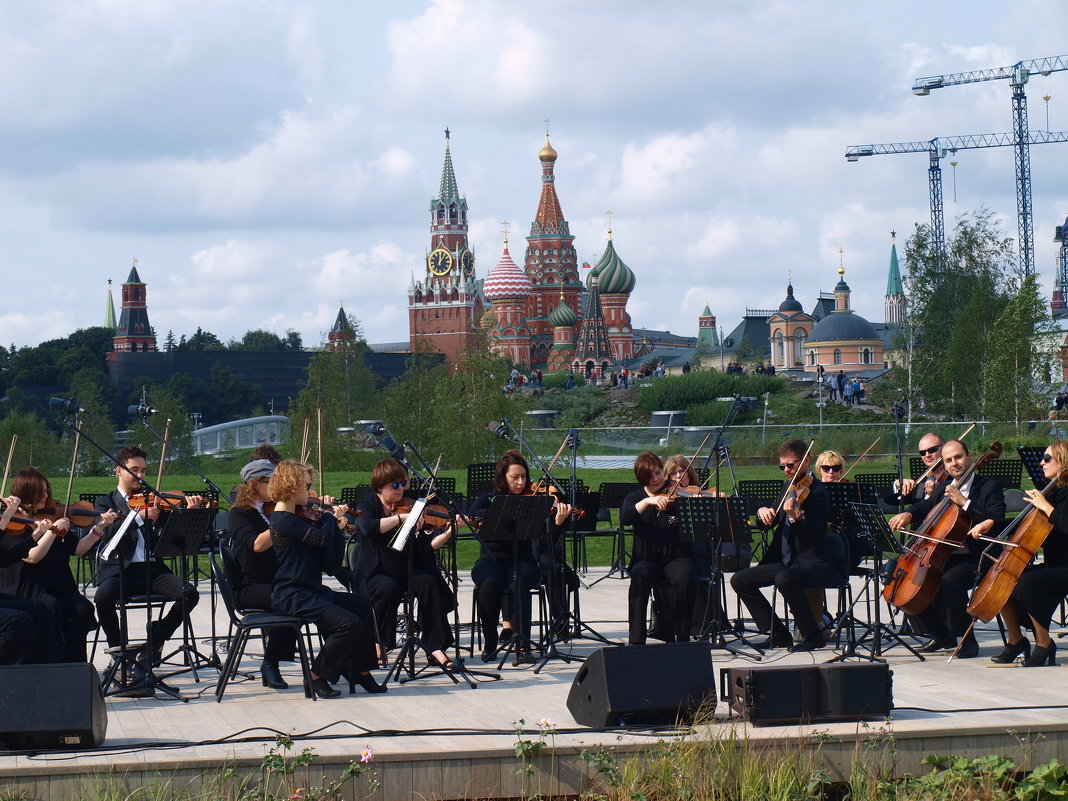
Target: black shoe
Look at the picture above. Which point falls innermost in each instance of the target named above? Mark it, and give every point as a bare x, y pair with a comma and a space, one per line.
367, 681
781, 640
809, 644
969, 649
1042, 655
939, 644
155, 636
506, 636
488, 656
322, 688
1013, 650
271, 676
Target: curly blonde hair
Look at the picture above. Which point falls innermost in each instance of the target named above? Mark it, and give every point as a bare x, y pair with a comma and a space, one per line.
289, 478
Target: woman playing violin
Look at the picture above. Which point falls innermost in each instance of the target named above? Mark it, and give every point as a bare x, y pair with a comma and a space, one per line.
385, 570
44, 573
658, 553
250, 536
304, 550
1041, 587
500, 567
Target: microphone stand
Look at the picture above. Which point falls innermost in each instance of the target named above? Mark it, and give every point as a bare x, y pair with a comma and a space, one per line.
125, 660
213, 660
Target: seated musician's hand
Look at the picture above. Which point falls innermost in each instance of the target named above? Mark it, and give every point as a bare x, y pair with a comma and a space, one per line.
1038, 500
194, 501
62, 526
562, 511
955, 496
329, 500
898, 522
766, 515
40, 528
907, 486
981, 529
658, 501
929, 486
340, 511
150, 513
106, 519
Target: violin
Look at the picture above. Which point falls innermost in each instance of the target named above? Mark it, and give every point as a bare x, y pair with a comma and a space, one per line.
434, 515
801, 489
552, 492
18, 524
165, 500
914, 581
81, 514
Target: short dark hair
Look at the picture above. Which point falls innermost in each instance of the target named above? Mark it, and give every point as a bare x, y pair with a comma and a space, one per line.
130, 452
386, 472
793, 447
265, 451
645, 465
508, 458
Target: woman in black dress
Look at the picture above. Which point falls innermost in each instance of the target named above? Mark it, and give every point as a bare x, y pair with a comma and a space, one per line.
500, 562
250, 536
658, 553
44, 574
1041, 587
385, 570
304, 551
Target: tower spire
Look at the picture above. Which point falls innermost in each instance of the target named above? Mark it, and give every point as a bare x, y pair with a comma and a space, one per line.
448, 190
894, 303
109, 310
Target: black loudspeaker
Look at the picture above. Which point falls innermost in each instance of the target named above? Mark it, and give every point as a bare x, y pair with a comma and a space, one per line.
642, 684
51, 706
788, 694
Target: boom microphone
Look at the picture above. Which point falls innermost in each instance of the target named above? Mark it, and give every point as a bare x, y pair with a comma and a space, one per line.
68, 407
500, 430
142, 409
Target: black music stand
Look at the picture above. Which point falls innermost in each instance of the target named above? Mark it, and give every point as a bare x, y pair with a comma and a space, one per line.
702, 519
1031, 456
515, 519
873, 524
841, 495
181, 537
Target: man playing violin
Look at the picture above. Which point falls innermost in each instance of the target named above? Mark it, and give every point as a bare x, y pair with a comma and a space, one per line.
906, 490
143, 573
982, 500
799, 555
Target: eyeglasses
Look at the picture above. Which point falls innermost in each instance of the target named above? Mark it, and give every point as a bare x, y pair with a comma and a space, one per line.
788, 465
1047, 457
399, 484
308, 486
930, 451
831, 468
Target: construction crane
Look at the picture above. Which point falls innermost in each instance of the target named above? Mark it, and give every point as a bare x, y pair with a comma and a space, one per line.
1018, 74
1060, 287
938, 148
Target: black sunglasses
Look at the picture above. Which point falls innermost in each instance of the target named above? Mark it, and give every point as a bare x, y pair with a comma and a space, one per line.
831, 468
1047, 457
399, 484
930, 451
790, 465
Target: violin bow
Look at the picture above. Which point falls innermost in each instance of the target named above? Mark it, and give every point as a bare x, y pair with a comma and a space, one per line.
927, 472
790, 486
857, 460
162, 458
304, 440
10, 457
552, 464
73, 461
319, 446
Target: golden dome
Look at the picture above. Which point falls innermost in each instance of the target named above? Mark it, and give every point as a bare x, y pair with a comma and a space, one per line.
547, 154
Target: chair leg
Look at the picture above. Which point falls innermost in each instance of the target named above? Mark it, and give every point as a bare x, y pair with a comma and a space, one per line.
233, 659
305, 667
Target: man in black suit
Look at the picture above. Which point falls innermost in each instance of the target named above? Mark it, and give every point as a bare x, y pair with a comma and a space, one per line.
909, 492
800, 556
982, 500
143, 574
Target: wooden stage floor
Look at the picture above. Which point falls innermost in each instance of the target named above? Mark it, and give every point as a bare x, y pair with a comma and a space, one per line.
432, 739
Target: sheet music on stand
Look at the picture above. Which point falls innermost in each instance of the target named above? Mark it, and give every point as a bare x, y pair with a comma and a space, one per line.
515, 517
1031, 456
401, 539
699, 516
876, 529
132, 519
844, 494
183, 532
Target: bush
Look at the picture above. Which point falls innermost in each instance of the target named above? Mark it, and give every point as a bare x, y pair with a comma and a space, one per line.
686, 391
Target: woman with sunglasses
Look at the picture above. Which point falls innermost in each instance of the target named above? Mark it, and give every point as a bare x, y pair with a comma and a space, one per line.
304, 551
1041, 587
385, 570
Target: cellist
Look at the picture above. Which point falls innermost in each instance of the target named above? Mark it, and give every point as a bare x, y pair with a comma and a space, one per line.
982, 500
1041, 587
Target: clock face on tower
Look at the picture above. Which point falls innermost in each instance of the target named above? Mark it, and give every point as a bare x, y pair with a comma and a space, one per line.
439, 261
467, 262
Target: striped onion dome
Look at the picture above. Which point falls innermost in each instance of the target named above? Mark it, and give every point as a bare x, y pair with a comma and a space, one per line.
488, 319
506, 280
613, 276
563, 316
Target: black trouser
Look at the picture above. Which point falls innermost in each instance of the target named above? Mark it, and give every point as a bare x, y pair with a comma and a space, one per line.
385, 593
72, 614
281, 643
348, 636
791, 584
161, 583
947, 617
681, 574
17, 630
491, 578
45, 643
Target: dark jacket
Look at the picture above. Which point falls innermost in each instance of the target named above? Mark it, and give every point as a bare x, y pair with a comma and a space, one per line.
501, 549
110, 567
51, 575
304, 552
987, 503
656, 533
253, 568
809, 545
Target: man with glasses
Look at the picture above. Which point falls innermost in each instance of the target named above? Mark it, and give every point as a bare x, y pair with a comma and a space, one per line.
906, 491
982, 500
798, 557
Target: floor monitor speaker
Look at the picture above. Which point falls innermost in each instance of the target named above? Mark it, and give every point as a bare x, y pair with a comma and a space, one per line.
51, 706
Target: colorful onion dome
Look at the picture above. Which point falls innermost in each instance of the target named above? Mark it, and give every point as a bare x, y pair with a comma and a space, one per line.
506, 280
563, 316
613, 276
488, 319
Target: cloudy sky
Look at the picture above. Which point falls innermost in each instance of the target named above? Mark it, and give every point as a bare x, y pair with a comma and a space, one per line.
266, 160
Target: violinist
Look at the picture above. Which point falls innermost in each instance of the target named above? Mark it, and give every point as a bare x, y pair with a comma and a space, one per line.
250, 536
24, 623
906, 491
1041, 587
44, 573
498, 567
144, 574
982, 500
658, 553
304, 550
385, 570
799, 556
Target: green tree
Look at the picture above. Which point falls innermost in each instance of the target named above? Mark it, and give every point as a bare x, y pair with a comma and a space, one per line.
200, 341
259, 340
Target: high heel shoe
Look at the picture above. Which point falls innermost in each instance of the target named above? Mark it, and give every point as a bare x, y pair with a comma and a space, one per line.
1042, 655
1013, 650
271, 676
322, 688
367, 681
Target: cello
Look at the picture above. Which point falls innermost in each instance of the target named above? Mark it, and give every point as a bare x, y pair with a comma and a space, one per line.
914, 582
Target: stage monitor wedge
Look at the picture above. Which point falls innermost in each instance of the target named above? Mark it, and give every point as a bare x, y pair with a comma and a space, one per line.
51, 706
